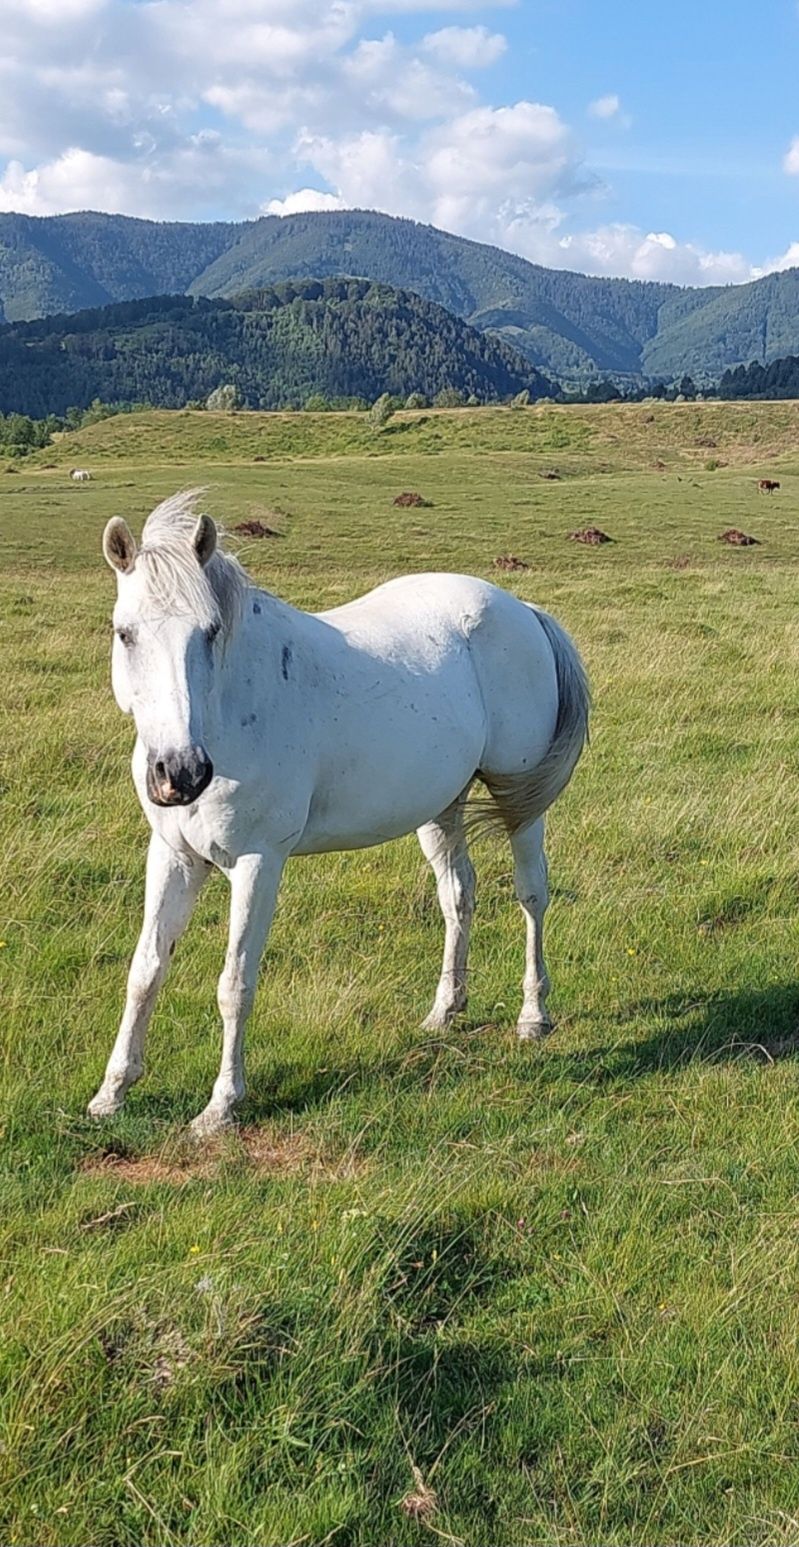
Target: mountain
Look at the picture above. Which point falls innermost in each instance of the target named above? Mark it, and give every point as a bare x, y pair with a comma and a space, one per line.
568, 324
278, 345
61, 263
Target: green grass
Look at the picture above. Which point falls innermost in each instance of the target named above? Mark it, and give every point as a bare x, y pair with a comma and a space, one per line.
558, 1284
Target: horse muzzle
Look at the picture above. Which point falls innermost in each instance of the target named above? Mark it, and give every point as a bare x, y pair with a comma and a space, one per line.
178, 778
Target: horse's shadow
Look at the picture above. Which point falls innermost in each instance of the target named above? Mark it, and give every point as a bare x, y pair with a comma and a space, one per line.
701, 1028
760, 1025
751, 1024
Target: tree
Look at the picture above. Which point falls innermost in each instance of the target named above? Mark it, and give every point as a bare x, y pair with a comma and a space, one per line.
521, 400
225, 399
416, 400
381, 411
448, 397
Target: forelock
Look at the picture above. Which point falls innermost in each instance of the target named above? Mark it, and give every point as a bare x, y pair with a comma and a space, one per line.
175, 582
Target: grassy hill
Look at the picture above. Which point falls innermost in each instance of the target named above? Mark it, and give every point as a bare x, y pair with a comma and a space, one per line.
559, 1281
671, 442
567, 324
278, 346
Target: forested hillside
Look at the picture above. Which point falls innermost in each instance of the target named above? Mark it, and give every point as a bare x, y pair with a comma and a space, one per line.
61, 263
569, 325
780, 379
278, 346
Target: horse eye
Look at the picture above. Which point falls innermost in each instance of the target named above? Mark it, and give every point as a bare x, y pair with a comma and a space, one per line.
211, 633
125, 635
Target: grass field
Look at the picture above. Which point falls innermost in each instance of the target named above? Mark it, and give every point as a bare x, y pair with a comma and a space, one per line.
438, 1287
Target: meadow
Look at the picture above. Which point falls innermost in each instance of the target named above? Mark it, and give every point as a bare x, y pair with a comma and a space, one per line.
437, 1287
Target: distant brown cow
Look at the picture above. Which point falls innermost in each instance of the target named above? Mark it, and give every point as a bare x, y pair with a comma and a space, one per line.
768, 485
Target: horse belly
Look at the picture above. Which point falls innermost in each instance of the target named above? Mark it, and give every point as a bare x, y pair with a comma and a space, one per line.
396, 765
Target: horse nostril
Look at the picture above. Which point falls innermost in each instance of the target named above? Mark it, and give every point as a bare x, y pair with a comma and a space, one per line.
160, 771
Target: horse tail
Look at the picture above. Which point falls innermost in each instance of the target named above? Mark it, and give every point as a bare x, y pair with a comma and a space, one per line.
519, 799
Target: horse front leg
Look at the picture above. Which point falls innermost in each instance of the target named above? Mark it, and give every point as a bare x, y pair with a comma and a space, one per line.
172, 886
254, 881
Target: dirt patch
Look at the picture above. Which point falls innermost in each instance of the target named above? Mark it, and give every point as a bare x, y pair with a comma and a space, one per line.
509, 562
255, 529
259, 1148
551, 474
592, 535
412, 500
144, 1170
738, 539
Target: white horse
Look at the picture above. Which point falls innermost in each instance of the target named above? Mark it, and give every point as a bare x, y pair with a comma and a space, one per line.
80, 475
264, 732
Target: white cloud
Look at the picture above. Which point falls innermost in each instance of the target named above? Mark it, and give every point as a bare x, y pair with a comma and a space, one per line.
472, 174
790, 161
465, 48
627, 250
304, 199
388, 78
186, 183
411, 7
198, 108
51, 12
367, 170
605, 107
787, 260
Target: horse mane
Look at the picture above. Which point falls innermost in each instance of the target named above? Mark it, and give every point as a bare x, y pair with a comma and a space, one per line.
214, 593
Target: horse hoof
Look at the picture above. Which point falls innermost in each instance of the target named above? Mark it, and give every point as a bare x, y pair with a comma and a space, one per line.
438, 1020
103, 1106
535, 1031
211, 1123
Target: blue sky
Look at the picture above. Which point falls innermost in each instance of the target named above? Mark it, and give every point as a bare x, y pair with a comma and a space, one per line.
656, 141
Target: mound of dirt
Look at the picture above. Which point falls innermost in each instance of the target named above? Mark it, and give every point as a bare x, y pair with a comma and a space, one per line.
412, 499
509, 561
592, 535
737, 539
255, 529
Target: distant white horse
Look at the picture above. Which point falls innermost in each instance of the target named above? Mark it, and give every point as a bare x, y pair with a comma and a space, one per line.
80, 475
264, 732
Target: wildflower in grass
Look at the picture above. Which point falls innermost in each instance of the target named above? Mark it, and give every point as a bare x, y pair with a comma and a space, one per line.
194, 1251
631, 950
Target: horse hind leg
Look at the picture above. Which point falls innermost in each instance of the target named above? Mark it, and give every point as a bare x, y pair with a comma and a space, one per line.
533, 893
443, 843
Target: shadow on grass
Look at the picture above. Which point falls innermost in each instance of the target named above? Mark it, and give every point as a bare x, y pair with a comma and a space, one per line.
753, 1025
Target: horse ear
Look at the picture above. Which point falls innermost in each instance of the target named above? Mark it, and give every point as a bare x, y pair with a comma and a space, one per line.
204, 539
119, 545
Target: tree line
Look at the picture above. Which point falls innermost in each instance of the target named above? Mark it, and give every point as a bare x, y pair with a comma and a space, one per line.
280, 346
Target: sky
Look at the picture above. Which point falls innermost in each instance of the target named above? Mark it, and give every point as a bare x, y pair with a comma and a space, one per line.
623, 137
